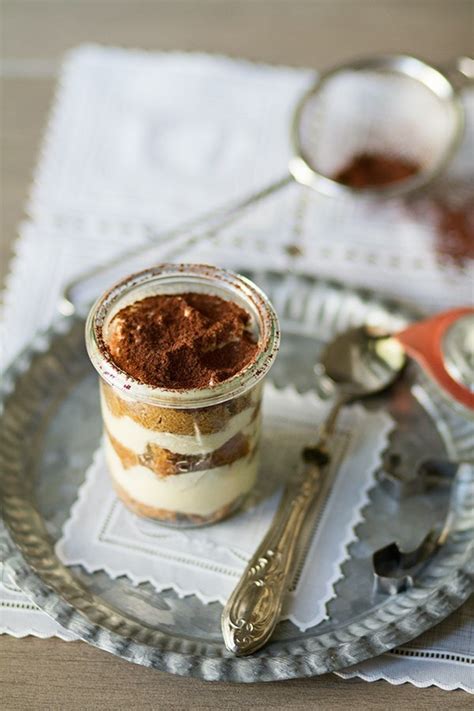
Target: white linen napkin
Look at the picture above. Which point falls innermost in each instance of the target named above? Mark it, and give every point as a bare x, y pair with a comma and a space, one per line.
102, 535
19, 617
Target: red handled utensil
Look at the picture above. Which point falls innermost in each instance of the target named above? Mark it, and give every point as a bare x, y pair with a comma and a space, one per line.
444, 347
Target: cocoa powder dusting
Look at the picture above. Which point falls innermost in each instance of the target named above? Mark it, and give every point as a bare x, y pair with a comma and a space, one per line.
372, 169
182, 341
452, 219
455, 231
449, 212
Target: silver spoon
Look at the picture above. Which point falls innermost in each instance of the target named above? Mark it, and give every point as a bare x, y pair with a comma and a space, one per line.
358, 363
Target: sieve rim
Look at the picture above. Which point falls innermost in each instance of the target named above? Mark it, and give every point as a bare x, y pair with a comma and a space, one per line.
404, 65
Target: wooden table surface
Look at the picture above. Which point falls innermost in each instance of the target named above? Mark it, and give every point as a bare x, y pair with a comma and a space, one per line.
51, 674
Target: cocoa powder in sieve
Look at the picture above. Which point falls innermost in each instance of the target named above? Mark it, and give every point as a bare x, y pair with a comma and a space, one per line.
367, 170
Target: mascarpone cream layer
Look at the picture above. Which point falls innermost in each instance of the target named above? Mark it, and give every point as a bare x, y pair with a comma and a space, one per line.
201, 493
136, 437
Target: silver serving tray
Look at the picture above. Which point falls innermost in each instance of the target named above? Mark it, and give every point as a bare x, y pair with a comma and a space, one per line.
51, 427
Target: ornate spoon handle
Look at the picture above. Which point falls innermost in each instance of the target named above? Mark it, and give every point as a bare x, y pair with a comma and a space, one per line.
253, 609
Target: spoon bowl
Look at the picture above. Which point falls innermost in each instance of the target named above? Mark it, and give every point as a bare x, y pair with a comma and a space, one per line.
362, 361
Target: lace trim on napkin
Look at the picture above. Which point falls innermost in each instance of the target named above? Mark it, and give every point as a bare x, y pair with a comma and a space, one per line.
22, 617
441, 656
421, 670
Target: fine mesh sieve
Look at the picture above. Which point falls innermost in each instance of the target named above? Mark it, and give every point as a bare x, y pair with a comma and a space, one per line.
395, 106
389, 105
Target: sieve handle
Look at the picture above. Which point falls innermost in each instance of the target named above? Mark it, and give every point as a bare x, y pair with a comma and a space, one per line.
162, 246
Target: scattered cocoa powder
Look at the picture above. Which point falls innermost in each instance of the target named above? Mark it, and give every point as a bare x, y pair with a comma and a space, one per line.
451, 214
372, 169
448, 209
456, 232
181, 341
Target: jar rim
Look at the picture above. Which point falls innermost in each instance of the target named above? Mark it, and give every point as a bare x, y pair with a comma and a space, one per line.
202, 274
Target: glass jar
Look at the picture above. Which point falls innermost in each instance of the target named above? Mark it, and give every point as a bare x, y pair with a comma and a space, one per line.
184, 457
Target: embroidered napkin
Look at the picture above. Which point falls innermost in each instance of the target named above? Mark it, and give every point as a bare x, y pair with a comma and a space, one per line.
102, 535
20, 617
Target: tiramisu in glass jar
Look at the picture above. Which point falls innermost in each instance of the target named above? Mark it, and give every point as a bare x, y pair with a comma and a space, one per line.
181, 351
